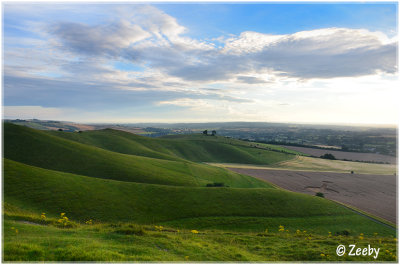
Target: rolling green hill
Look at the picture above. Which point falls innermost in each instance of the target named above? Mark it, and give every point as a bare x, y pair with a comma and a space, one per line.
127, 184
78, 196
197, 147
41, 149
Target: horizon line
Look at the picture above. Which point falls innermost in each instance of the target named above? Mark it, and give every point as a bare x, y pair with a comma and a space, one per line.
393, 125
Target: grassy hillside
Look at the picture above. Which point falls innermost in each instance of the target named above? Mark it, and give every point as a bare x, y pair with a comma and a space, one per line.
120, 142
127, 184
41, 149
197, 147
78, 196
130, 242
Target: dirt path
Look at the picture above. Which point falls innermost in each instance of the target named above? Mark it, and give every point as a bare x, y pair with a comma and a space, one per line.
374, 194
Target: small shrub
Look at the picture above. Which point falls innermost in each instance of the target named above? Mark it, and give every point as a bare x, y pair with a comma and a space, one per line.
131, 230
343, 233
216, 184
328, 156
320, 194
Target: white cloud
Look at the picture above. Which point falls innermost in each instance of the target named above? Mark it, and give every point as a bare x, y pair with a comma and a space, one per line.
147, 36
249, 76
105, 39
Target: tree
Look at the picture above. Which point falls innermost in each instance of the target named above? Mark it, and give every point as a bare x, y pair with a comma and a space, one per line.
214, 132
328, 156
205, 132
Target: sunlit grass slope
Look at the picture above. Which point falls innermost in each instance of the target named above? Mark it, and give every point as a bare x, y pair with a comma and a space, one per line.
102, 200
130, 242
301, 163
196, 147
318, 164
34, 147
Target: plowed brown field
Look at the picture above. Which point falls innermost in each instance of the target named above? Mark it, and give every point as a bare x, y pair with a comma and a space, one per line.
374, 194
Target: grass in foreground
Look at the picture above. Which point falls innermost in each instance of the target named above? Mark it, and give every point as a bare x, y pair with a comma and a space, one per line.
132, 242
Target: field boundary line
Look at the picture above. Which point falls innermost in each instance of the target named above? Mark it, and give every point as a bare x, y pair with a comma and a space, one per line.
368, 215
253, 166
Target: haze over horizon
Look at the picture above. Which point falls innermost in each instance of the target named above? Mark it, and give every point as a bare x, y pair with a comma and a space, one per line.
131, 63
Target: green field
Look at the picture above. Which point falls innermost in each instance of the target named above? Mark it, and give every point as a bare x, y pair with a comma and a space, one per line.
127, 185
300, 163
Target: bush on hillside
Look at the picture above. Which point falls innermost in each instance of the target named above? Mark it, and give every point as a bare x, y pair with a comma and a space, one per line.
215, 184
131, 229
328, 156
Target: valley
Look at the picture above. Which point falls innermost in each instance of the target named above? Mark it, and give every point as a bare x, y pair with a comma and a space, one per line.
108, 180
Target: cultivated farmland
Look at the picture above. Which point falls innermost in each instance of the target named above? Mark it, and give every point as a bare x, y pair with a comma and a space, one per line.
354, 156
375, 194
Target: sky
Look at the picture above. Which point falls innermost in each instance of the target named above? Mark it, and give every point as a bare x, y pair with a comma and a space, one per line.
201, 62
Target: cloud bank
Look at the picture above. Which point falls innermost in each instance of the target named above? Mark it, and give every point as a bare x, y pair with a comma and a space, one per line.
140, 56
156, 40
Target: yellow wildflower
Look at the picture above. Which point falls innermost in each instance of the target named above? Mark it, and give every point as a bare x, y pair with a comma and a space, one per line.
194, 231
159, 228
322, 255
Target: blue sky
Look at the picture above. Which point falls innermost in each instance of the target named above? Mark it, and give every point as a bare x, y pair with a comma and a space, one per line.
164, 62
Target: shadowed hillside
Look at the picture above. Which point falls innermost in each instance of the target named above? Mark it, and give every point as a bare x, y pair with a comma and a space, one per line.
54, 192
38, 148
195, 147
